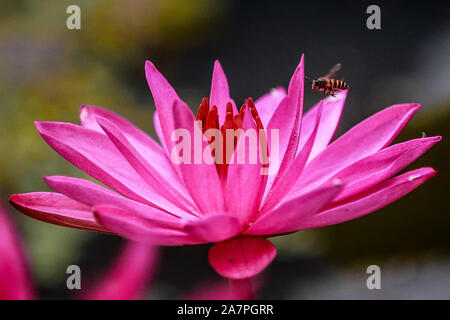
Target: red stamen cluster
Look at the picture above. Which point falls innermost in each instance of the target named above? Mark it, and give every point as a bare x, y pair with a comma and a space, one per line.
210, 120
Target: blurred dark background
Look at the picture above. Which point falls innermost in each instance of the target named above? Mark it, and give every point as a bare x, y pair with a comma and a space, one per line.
48, 71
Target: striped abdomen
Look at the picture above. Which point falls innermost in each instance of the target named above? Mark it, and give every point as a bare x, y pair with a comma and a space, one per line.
338, 84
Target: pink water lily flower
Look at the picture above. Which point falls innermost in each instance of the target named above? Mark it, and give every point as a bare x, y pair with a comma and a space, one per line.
15, 279
317, 182
126, 279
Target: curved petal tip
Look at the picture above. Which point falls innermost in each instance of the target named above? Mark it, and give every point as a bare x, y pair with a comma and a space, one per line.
241, 258
148, 64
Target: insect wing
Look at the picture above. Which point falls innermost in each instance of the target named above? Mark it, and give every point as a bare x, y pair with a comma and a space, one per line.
333, 71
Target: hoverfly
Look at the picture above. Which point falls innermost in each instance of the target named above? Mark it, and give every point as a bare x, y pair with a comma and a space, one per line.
328, 84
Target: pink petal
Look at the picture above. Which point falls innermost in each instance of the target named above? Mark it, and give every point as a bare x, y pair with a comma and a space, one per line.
201, 180
244, 185
296, 85
370, 200
57, 209
382, 165
165, 97
268, 103
331, 115
159, 133
283, 120
92, 194
96, 155
364, 139
287, 118
282, 186
137, 228
289, 216
148, 148
241, 258
220, 92
129, 275
145, 169
163, 93
214, 228
88, 115
15, 280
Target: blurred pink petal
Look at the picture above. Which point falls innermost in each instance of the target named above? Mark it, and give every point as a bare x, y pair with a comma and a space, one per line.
15, 280
221, 290
212, 291
129, 275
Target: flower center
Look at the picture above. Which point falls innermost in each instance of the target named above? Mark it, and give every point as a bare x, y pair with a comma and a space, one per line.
209, 118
